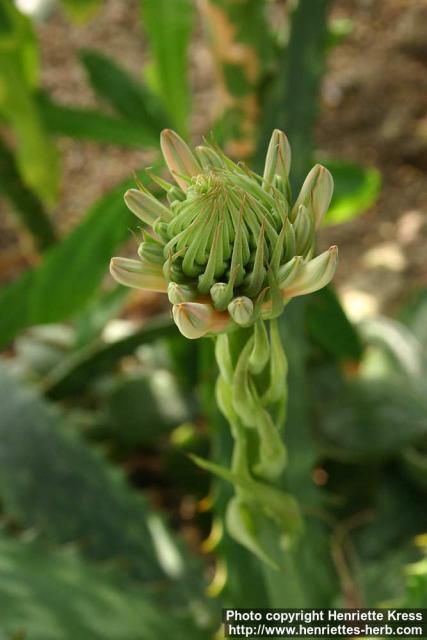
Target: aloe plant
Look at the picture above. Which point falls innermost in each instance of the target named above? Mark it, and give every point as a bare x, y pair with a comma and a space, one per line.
231, 251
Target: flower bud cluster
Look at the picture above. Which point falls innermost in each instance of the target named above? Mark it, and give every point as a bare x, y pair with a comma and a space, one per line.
229, 249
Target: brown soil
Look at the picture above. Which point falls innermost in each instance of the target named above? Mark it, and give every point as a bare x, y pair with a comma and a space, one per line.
375, 112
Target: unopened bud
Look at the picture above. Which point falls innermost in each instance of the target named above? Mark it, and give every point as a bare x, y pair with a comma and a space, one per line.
195, 319
192, 318
178, 157
316, 193
314, 274
134, 273
178, 293
278, 160
145, 207
221, 295
241, 310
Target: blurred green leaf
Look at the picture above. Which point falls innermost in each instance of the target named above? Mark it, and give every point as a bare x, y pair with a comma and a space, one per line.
329, 327
414, 315
17, 38
395, 515
25, 204
79, 497
401, 350
35, 153
42, 347
131, 99
414, 462
81, 10
168, 26
338, 30
89, 124
76, 371
416, 583
367, 419
382, 579
71, 270
14, 306
313, 581
47, 595
92, 320
356, 189
292, 103
142, 407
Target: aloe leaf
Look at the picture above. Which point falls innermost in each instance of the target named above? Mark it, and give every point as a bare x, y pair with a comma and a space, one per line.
329, 328
24, 202
70, 272
74, 373
89, 124
168, 26
36, 156
128, 97
80, 498
292, 104
48, 594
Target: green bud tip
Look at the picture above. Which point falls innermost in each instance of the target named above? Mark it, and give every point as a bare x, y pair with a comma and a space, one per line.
241, 310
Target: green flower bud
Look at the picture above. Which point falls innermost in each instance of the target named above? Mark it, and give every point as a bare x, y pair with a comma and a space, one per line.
221, 295
178, 293
145, 206
316, 193
208, 158
179, 158
314, 275
241, 310
137, 274
260, 353
196, 320
192, 319
278, 160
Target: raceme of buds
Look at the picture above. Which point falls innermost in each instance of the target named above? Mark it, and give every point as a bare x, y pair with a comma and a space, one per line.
229, 249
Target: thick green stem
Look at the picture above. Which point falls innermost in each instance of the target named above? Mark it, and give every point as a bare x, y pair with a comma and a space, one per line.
251, 393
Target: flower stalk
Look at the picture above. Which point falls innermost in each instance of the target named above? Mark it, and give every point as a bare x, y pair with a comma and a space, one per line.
231, 251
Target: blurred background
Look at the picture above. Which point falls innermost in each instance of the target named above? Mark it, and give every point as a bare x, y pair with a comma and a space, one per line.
105, 520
